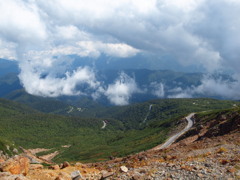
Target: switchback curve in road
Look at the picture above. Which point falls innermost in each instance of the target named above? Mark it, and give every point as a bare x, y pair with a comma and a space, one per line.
174, 137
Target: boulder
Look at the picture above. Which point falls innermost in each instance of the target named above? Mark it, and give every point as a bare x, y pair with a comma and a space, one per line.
76, 175
9, 176
63, 176
16, 165
65, 164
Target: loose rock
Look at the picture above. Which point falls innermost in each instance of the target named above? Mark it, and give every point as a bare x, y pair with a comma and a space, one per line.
65, 164
75, 174
106, 174
16, 165
124, 169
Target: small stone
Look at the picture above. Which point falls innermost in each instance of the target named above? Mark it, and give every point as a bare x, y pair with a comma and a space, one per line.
168, 157
85, 171
65, 164
200, 175
61, 165
34, 161
143, 171
207, 165
224, 161
75, 174
142, 158
106, 175
124, 169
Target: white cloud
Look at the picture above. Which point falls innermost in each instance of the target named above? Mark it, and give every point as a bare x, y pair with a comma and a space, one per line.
121, 90
20, 22
157, 89
194, 32
7, 50
209, 87
218, 87
53, 86
111, 49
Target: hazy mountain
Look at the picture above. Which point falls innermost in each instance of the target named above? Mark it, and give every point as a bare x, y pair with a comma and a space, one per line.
7, 66
9, 82
138, 85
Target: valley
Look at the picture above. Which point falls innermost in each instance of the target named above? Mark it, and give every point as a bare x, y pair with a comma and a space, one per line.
111, 131
206, 149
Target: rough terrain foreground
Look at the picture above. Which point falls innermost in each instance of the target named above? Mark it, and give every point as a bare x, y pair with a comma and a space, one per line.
209, 150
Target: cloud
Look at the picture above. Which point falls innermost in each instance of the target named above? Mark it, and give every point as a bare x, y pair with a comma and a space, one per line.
20, 22
219, 87
111, 49
51, 85
187, 30
192, 32
218, 27
121, 90
179, 92
8, 50
210, 86
157, 89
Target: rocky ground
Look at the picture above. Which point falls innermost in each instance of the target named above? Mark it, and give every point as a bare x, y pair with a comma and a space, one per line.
209, 150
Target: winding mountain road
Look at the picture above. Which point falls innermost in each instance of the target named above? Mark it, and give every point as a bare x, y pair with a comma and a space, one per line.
149, 110
104, 125
174, 137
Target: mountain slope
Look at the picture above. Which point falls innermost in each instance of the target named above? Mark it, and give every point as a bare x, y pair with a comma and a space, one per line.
210, 150
212, 156
9, 83
46, 105
8, 66
125, 131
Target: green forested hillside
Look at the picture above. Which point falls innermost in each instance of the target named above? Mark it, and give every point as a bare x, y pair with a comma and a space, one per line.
129, 129
139, 115
47, 105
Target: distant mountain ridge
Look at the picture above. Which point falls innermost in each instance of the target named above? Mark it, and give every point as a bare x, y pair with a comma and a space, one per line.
151, 84
7, 66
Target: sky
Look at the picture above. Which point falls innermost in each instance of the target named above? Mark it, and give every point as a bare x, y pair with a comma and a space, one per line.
41, 35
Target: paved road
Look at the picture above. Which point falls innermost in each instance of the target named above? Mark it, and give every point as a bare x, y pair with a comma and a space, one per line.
150, 108
174, 137
104, 125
